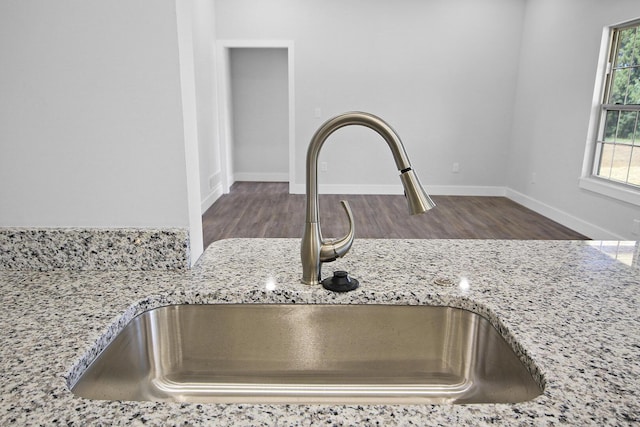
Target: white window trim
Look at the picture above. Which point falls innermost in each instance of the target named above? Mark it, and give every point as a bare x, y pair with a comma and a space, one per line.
587, 180
610, 189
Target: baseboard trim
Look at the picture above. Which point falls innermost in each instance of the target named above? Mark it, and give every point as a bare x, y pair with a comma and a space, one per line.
581, 226
261, 177
208, 201
436, 190
466, 190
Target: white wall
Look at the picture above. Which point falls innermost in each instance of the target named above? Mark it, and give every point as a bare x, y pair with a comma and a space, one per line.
206, 97
259, 98
560, 51
91, 125
441, 72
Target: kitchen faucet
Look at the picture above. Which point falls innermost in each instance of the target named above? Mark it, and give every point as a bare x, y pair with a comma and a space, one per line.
315, 250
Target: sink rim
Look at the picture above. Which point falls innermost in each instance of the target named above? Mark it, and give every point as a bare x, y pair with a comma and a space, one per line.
142, 308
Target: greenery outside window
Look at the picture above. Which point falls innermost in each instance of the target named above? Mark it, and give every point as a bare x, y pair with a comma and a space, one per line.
617, 148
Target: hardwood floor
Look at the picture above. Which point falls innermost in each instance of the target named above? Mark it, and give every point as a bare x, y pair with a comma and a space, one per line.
255, 209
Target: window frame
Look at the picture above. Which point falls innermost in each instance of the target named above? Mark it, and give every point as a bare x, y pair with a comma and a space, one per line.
589, 179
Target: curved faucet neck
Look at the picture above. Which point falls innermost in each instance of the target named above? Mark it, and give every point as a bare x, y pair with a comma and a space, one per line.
321, 135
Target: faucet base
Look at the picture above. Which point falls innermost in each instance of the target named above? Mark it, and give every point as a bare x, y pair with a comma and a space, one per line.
340, 282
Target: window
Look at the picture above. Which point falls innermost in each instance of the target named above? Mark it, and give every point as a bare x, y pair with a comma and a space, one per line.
616, 157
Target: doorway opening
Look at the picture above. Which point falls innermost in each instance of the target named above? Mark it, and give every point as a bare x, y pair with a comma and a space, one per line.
256, 111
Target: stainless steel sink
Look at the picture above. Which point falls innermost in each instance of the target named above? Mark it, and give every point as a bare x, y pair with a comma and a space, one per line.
308, 354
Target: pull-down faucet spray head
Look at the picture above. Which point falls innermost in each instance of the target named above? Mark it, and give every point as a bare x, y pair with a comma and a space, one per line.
418, 200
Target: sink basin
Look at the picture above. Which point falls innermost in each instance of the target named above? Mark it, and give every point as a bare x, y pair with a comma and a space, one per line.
289, 353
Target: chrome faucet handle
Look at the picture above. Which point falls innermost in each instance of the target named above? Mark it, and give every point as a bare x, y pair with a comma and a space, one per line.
331, 250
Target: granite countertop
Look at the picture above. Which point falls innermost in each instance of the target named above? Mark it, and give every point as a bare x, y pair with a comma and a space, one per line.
573, 310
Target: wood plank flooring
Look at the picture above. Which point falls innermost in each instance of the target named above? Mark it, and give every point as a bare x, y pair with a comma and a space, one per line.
254, 209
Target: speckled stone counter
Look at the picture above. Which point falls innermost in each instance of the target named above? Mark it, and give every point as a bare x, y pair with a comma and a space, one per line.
570, 308
45, 249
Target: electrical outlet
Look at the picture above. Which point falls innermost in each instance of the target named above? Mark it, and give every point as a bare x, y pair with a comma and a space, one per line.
635, 228
455, 168
534, 178
323, 167
317, 112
